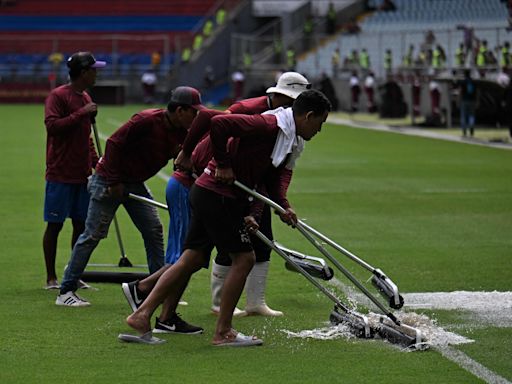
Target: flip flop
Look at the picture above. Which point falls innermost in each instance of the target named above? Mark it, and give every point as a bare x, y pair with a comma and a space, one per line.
240, 340
146, 338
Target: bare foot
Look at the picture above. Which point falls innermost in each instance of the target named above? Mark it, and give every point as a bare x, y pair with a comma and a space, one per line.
139, 322
223, 337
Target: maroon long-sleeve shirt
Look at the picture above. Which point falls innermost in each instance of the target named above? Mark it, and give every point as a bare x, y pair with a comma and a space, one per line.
70, 152
140, 148
251, 106
248, 154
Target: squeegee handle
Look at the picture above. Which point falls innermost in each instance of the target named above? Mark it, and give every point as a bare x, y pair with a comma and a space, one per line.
259, 196
321, 236
301, 228
147, 201
301, 270
96, 137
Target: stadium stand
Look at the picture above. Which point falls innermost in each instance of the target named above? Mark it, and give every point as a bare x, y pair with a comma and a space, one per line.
407, 25
124, 33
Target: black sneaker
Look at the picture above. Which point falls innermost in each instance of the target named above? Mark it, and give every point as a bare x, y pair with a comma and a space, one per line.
176, 325
133, 295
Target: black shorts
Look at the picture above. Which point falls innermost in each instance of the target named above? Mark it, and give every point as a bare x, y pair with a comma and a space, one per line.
216, 221
261, 249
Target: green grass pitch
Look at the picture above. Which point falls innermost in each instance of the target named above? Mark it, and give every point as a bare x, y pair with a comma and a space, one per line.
436, 216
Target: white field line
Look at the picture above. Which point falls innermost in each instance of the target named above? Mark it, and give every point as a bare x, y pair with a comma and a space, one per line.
416, 132
471, 365
493, 308
452, 354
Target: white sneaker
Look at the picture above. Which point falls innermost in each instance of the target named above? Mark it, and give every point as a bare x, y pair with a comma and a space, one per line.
70, 299
236, 313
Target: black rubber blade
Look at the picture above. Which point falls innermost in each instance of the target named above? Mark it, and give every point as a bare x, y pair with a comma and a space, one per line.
358, 327
395, 336
112, 277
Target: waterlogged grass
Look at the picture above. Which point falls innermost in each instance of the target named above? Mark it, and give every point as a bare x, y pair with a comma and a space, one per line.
436, 216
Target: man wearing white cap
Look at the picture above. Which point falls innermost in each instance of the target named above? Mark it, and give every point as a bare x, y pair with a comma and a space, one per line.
289, 86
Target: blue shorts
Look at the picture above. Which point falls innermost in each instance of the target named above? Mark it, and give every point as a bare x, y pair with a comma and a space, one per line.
176, 195
64, 200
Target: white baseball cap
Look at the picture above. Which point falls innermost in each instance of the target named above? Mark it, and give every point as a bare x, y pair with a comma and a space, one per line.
290, 84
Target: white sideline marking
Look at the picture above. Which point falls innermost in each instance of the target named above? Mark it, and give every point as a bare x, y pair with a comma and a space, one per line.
493, 308
416, 132
471, 365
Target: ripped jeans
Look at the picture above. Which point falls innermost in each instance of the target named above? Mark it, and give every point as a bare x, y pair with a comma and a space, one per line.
100, 214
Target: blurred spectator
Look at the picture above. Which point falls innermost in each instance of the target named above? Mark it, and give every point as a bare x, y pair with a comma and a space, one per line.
307, 32
185, 55
329, 91
392, 100
469, 37
56, 58
438, 57
335, 62
364, 60
435, 99
148, 81
416, 93
408, 58
387, 6
352, 61
208, 28
330, 22
369, 88
468, 94
290, 58
198, 42
355, 91
460, 56
481, 58
220, 16
238, 80
156, 59
505, 55
388, 61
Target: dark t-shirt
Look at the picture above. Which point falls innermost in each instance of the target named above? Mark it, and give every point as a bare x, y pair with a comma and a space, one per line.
467, 90
140, 148
70, 152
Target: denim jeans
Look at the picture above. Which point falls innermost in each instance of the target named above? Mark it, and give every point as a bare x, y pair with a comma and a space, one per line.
99, 216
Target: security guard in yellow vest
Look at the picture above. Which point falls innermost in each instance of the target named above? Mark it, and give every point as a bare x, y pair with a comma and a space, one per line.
364, 59
388, 61
505, 55
460, 56
481, 55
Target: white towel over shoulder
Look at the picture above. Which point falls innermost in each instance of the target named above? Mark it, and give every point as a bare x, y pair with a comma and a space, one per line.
287, 139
